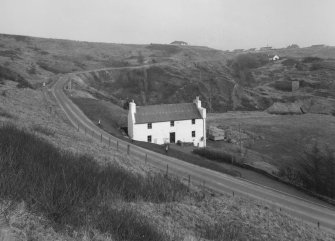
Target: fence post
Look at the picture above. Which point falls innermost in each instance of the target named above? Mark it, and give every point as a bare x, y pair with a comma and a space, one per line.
117, 145
100, 137
128, 149
167, 169
189, 182
233, 194
146, 158
109, 141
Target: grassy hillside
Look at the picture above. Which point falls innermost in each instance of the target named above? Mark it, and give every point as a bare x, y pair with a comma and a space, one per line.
44, 142
262, 82
223, 80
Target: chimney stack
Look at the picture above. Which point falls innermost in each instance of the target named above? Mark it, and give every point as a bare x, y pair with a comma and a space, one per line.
197, 101
132, 107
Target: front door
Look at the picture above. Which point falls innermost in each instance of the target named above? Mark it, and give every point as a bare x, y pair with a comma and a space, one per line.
172, 137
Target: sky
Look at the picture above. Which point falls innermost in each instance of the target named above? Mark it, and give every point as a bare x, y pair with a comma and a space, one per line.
221, 24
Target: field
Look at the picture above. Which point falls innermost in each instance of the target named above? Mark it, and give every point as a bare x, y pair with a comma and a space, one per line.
278, 140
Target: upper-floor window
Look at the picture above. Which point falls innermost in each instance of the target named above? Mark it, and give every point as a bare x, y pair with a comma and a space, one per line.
149, 138
193, 133
149, 125
193, 121
171, 123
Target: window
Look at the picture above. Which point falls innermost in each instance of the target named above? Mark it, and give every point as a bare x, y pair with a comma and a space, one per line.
171, 123
149, 125
193, 133
149, 138
193, 121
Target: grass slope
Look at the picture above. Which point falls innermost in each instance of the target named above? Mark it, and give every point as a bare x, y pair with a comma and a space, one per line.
196, 216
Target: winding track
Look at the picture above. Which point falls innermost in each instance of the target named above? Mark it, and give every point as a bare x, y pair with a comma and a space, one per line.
221, 183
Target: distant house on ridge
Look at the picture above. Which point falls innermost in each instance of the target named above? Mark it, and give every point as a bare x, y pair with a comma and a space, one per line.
168, 123
265, 48
179, 43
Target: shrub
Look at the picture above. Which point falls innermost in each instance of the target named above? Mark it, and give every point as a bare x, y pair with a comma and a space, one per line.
282, 85
127, 224
8, 74
289, 62
214, 155
223, 230
315, 171
53, 68
249, 61
44, 130
4, 113
311, 59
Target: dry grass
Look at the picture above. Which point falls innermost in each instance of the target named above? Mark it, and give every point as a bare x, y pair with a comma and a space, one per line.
280, 139
188, 219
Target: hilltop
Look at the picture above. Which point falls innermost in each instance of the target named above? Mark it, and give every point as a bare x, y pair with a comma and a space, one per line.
173, 73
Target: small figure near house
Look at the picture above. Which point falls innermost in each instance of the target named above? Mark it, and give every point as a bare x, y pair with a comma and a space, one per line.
166, 149
43, 84
99, 122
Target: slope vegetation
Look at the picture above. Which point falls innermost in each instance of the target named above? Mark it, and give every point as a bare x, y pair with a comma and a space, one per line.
43, 142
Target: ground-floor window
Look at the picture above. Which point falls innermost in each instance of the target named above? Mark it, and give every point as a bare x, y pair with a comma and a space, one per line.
149, 138
193, 133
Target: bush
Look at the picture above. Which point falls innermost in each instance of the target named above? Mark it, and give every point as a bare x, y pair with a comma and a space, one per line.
44, 130
315, 171
127, 224
8, 74
214, 155
290, 62
311, 59
249, 61
223, 230
282, 85
53, 68
4, 113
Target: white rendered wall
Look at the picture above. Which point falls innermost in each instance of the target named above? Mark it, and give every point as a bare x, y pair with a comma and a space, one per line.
130, 125
160, 132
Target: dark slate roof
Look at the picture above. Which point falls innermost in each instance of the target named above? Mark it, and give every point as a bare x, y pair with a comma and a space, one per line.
169, 112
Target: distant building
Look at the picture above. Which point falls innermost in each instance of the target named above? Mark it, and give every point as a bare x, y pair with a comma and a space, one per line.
265, 48
276, 57
179, 43
169, 123
238, 50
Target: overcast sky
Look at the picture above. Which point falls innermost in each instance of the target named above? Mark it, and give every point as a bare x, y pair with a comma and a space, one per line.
222, 24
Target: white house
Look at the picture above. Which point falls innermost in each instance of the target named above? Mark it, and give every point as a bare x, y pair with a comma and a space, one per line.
160, 124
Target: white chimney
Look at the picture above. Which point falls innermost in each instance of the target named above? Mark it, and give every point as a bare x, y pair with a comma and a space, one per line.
197, 101
132, 107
